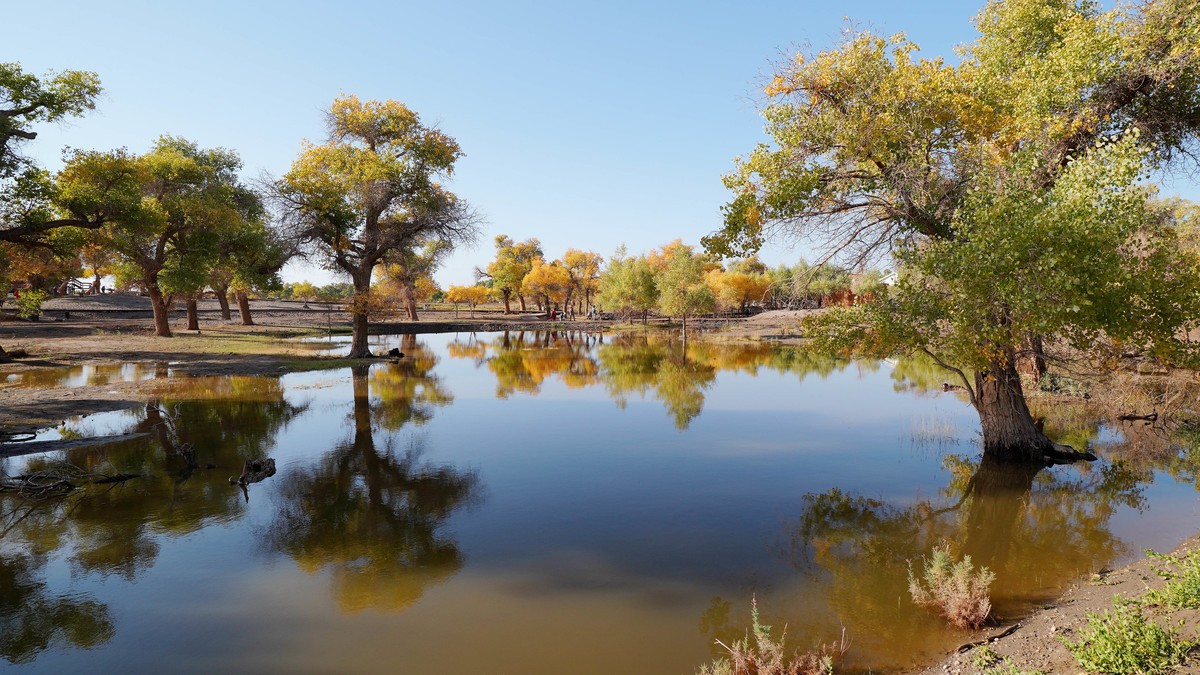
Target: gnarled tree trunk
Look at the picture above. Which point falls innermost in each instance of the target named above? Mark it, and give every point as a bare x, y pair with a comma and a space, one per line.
243, 302
1009, 432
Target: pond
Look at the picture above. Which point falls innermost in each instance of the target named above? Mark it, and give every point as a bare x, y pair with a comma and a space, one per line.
546, 502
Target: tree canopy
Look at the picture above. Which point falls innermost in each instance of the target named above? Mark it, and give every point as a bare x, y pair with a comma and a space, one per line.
26, 191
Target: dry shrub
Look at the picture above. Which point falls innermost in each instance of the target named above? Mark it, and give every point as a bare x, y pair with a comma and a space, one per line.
761, 654
956, 590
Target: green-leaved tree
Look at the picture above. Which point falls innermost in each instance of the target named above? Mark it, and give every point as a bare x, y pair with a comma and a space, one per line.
1011, 186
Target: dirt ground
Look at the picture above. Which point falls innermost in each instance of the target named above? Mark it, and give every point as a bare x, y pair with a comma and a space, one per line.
117, 330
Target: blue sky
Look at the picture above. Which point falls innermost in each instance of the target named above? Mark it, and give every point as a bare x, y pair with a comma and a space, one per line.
585, 125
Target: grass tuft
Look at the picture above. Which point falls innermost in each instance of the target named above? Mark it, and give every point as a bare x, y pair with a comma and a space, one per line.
760, 654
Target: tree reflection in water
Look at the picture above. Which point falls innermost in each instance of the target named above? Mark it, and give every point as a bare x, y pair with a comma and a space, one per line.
34, 619
1037, 529
375, 517
115, 529
663, 367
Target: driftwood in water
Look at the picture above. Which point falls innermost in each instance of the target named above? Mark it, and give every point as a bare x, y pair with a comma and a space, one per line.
34, 447
58, 480
1065, 454
1130, 417
254, 470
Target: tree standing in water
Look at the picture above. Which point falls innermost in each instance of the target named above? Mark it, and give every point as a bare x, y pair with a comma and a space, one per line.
1011, 188
371, 191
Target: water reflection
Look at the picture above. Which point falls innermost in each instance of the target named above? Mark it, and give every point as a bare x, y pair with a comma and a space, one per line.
406, 391
34, 619
1034, 527
117, 529
87, 375
664, 367
375, 516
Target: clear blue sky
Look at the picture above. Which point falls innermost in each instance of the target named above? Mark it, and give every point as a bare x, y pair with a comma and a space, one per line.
584, 124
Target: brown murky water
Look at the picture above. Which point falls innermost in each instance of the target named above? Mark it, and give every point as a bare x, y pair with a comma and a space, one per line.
546, 503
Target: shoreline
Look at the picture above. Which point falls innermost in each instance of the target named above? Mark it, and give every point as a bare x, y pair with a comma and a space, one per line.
1037, 643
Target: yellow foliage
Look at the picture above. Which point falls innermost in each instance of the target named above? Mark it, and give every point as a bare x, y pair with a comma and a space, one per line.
470, 295
549, 281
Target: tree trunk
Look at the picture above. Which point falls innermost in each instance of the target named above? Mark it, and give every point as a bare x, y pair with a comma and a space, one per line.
1009, 432
1033, 358
95, 289
243, 302
358, 312
358, 342
522, 299
507, 295
223, 300
410, 304
162, 324
193, 316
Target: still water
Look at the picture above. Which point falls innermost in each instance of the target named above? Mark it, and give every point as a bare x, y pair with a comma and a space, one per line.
548, 503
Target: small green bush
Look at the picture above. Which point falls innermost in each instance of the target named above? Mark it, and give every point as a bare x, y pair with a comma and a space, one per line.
1124, 641
29, 305
957, 591
1182, 574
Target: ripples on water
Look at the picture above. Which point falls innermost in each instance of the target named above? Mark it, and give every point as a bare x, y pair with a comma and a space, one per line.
546, 502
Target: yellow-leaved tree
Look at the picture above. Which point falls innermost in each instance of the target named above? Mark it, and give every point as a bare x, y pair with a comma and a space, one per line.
371, 191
